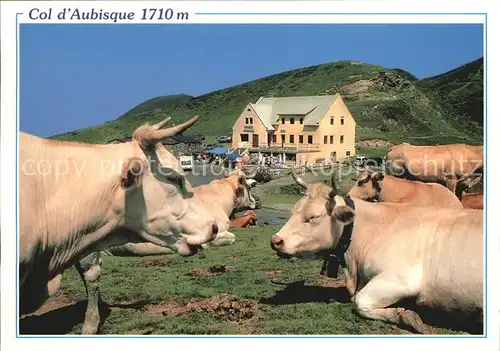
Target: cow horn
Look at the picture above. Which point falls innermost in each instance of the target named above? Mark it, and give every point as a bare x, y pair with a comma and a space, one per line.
299, 180
150, 135
161, 123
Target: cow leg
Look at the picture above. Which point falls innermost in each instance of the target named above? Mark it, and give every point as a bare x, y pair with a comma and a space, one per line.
222, 239
382, 291
53, 285
89, 269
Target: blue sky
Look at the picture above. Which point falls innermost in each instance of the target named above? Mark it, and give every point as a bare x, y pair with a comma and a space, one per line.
74, 76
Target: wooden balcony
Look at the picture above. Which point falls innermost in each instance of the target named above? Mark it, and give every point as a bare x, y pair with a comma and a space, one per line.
285, 147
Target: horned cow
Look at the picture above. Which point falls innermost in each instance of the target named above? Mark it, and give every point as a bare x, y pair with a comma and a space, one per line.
140, 197
390, 251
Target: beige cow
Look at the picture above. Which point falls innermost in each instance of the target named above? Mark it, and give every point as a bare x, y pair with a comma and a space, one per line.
437, 163
78, 198
220, 197
396, 251
381, 187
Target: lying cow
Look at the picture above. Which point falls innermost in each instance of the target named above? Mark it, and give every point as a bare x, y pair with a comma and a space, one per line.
381, 187
389, 252
220, 197
443, 164
106, 195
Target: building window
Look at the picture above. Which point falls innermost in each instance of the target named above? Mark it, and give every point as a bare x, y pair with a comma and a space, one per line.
309, 139
246, 120
244, 137
274, 138
292, 120
341, 139
342, 121
301, 139
331, 121
325, 139
292, 139
282, 121
301, 121
283, 138
249, 110
251, 120
348, 153
331, 139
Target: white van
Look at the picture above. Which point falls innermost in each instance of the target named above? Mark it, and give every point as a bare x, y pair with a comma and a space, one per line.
187, 162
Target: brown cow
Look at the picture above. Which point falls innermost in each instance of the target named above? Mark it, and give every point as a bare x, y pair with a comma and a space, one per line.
78, 198
443, 164
385, 188
473, 200
389, 252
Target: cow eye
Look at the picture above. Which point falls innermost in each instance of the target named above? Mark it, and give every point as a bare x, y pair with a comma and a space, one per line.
312, 219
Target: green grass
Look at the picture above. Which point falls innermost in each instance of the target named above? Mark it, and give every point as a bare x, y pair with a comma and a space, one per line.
282, 308
399, 108
372, 151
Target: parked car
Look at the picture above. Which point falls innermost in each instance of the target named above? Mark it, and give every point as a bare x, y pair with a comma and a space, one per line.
187, 162
211, 146
371, 161
224, 139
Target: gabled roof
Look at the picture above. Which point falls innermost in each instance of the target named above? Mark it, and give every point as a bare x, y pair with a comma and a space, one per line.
312, 108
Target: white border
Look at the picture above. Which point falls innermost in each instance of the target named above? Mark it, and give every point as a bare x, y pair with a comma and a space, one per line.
8, 159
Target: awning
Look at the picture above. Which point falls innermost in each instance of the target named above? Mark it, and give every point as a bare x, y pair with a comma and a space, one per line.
233, 156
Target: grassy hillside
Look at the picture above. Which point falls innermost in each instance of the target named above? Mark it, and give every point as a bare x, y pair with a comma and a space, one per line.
395, 107
160, 102
460, 90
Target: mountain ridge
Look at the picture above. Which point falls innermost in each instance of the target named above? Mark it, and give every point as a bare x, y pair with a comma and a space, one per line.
388, 104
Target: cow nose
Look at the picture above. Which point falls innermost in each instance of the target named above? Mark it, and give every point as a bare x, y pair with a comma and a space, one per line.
276, 242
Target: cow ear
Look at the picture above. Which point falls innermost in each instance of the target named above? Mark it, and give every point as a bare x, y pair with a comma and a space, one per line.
344, 214
132, 172
378, 176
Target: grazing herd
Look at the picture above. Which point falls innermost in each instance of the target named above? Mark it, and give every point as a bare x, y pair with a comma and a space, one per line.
412, 234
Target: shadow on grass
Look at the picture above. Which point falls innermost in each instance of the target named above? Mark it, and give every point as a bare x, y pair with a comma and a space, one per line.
62, 320
298, 292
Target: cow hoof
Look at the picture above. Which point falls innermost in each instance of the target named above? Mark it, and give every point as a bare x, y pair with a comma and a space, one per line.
412, 319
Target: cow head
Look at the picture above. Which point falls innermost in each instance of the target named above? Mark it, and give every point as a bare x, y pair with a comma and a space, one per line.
316, 224
467, 181
159, 202
243, 195
367, 186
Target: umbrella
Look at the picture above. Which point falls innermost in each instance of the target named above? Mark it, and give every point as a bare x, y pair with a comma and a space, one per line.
218, 151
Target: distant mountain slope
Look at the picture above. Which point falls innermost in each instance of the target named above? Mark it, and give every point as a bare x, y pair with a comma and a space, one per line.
460, 90
159, 102
387, 104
